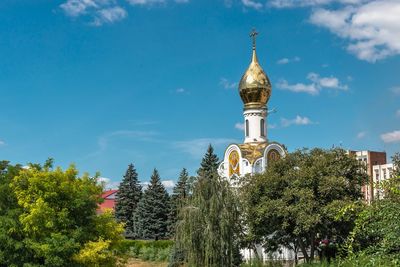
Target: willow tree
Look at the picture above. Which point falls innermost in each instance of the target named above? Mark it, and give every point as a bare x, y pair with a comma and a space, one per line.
206, 227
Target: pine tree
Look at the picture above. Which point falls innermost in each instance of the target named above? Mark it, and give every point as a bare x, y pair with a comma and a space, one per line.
128, 197
209, 164
181, 191
153, 209
179, 197
208, 224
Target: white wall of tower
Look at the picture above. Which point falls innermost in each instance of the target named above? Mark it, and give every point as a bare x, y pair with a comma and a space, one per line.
255, 129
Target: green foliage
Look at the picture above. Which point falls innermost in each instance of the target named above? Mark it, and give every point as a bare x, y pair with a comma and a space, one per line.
259, 263
299, 197
179, 199
50, 218
377, 231
151, 218
207, 226
147, 250
96, 254
357, 260
128, 197
209, 164
12, 248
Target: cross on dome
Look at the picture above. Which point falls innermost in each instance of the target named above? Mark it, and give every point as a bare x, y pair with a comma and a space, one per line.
253, 35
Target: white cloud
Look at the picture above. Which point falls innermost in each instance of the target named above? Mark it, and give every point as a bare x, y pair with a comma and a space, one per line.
239, 126
225, 83
391, 137
303, 3
296, 121
198, 147
76, 8
285, 60
180, 90
168, 184
298, 87
317, 84
107, 140
144, 185
109, 15
396, 90
2, 143
107, 183
361, 135
398, 113
99, 11
372, 27
228, 3
154, 2
252, 4
145, 2
326, 82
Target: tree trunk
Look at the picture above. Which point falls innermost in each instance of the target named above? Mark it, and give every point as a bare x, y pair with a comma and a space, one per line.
312, 241
304, 249
296, 250
258, 258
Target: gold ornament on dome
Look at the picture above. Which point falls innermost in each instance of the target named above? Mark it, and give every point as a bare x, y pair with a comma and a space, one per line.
254, 87
234, 167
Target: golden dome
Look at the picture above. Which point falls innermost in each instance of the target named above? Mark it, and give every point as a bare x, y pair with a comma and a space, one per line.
254, 87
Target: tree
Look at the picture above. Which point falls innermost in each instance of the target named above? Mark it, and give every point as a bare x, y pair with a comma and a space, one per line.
128, 197
209, 164
206, 227
53, 218
298, 198
376, 233
12, 248
179, 198
152, 212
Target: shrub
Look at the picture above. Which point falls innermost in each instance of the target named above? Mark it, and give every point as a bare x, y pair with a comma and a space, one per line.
146, 250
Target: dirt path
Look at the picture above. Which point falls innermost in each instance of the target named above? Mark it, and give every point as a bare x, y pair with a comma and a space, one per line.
139, 263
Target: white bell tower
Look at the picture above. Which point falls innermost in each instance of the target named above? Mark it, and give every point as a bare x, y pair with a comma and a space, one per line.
255, 91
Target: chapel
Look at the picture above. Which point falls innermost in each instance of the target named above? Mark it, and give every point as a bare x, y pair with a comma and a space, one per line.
256, 151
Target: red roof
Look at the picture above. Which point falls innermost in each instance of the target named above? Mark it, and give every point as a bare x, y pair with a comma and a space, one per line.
109, 201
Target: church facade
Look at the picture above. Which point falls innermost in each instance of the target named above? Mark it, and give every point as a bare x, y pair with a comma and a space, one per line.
256, 151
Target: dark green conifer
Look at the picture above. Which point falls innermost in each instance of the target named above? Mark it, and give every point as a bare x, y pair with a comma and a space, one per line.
179, 197
128, 197
209, 164
153, 210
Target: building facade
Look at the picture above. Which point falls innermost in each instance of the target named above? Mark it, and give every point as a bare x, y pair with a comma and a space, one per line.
369, 159
381, 173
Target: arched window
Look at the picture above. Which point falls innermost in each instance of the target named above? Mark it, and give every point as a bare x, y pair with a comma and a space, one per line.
247, 128
262, 127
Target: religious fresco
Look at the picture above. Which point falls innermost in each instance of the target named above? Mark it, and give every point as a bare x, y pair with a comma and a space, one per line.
273, 155
234, 163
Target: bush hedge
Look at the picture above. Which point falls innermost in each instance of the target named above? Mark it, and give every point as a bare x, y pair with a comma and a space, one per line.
147, 250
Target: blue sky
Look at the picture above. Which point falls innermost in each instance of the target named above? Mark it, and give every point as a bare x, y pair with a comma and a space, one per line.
103, 83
